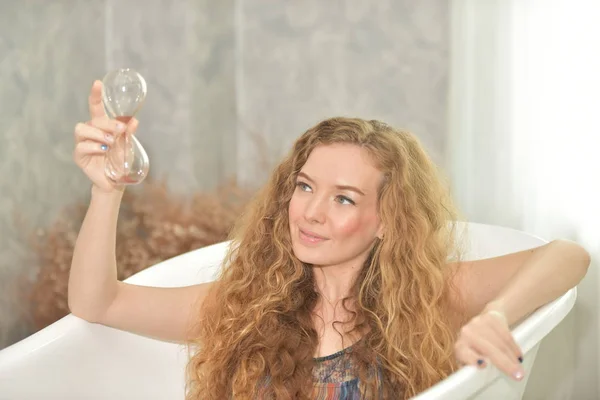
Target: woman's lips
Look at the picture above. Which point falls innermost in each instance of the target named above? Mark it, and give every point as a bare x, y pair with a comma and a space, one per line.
310, 237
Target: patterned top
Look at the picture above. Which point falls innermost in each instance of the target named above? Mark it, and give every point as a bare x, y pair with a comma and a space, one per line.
335, 377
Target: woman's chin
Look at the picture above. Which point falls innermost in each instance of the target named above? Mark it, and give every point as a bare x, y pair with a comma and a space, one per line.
308, 256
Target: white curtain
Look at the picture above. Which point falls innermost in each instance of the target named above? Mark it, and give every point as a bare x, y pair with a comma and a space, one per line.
524, 149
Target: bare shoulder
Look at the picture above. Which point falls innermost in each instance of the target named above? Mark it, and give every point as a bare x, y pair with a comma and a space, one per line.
161, 313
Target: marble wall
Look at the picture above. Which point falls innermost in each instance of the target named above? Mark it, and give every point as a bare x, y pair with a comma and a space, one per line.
49, 53
230, 85
300, 62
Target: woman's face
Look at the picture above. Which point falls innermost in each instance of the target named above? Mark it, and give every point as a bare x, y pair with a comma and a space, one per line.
333, 211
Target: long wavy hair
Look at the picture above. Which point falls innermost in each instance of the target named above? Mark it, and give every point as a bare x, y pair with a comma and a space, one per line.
255, 332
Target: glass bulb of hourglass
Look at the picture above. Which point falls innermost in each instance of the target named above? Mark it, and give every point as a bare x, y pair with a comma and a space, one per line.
123, 94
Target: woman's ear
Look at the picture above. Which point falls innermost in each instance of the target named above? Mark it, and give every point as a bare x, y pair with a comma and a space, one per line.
380, 232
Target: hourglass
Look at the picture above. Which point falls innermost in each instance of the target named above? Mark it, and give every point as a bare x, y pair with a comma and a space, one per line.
123, 93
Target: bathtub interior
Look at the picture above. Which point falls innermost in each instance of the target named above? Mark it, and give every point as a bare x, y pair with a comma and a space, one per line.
73, 359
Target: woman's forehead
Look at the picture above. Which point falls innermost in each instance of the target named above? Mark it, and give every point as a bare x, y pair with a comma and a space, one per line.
342, 164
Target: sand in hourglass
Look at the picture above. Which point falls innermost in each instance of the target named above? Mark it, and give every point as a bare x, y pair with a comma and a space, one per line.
121, 145
124, 119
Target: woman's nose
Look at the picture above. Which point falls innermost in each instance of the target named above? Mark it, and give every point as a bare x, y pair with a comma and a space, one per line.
315, 210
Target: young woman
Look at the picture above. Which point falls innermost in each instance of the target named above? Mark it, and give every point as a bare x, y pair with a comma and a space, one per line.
342, 282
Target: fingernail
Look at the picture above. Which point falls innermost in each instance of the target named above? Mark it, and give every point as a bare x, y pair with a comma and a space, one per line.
120, 128
104, 147
109, 137
521, 359
480, 362
519, 375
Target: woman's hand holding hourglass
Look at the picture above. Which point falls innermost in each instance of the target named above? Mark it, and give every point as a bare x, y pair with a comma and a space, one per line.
95, 137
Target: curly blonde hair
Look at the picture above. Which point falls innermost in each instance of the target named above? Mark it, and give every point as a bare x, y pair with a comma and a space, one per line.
257, 323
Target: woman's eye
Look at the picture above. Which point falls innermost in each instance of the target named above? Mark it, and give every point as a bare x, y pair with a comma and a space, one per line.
345, 200
303, 186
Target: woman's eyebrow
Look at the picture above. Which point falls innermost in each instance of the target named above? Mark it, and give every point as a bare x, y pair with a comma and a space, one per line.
339, 187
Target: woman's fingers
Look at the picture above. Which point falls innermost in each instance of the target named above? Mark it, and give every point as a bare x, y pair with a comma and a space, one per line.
85, 132
89, 147
101, 130
100, 134
496, 333
495, 324
132, 126
108, 125
502, 332
468, 356
488, 345
95, 105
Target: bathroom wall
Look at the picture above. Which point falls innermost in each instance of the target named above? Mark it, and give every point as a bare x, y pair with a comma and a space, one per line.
230, 85
49, 52
300, 62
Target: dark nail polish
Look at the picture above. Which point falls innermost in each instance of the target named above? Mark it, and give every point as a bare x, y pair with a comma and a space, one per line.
521, 359
480, 362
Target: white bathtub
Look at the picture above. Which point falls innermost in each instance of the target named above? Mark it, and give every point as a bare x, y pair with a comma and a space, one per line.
74, 359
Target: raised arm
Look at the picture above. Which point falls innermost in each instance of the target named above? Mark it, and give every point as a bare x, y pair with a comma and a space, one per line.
94, 292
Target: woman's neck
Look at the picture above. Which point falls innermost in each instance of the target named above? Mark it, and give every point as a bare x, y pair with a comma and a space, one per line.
335, 282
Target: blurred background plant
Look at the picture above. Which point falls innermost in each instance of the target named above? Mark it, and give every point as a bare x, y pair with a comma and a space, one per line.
155, 224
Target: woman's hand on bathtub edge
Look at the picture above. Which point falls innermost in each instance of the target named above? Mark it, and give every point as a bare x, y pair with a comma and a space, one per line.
487, 339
